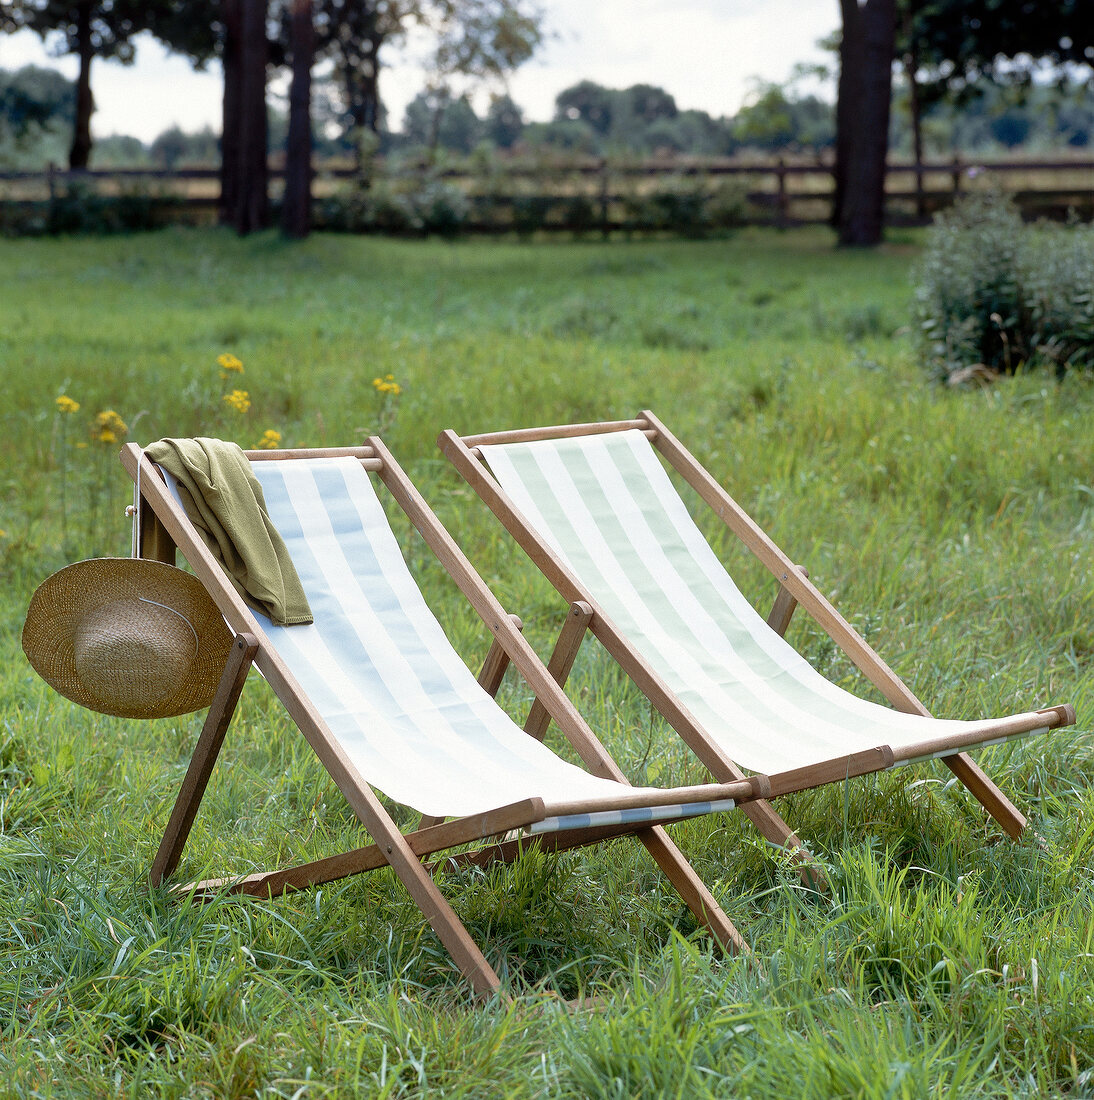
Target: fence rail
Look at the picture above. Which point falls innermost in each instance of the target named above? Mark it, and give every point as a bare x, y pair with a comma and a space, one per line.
782, 191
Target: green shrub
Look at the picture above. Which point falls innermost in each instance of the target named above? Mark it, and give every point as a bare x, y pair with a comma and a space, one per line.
78, 207
411, 205
688, 206
995, 293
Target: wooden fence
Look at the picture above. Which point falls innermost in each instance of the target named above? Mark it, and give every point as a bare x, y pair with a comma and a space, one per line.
590, 194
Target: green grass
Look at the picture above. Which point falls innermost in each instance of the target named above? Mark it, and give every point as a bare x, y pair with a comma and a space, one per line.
953, 528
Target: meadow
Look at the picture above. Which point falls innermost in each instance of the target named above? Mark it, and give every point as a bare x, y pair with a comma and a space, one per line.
953, 527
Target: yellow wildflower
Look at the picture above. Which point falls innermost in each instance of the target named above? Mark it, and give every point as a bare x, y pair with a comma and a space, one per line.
387, 385
109, 426
65, 404
270, 440
229, 364
240, 400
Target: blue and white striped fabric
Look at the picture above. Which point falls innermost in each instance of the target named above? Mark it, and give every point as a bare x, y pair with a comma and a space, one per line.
380, 670
645, 815
606, 506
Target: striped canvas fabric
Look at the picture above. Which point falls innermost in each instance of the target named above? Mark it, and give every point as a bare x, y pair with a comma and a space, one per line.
380, 670
607, 507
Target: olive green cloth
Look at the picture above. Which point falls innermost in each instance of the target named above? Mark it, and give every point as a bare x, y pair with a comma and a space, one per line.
224, 501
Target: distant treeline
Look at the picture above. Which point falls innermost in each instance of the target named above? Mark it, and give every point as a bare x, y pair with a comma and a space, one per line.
37, 108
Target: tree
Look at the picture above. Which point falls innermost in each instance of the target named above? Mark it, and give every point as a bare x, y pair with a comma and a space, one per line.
352, 34
88, 29
648, 103
947, 48
474, 39
862, 119
438, 118
504, 122
244, 200
296, 206
588, 102
33, 98
477, 41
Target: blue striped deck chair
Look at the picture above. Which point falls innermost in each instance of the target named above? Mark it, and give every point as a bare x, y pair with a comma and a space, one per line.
390, 707
595, 508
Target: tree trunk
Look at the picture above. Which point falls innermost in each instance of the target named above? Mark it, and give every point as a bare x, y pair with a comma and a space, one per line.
231, 13
80, 153
915, 103
252, 201
361, 85
862, 119
370, 85
296, 206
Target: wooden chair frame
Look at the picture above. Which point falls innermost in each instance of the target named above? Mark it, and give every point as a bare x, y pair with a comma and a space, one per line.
794, 588
165, 528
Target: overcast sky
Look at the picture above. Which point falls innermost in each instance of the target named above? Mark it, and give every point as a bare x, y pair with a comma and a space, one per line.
707, 53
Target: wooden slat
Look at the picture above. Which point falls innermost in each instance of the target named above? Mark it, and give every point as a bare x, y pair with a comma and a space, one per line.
756, 786
561, 662
832, 771
497, 661
782, 610
155, 543
558, 431
364, 453
424, 842
204, 757
1013, 726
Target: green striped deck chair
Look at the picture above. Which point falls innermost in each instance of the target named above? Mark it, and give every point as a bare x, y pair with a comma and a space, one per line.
595, 508
389, 706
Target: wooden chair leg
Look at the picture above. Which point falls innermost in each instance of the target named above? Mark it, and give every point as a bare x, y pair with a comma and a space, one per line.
441, 917
497, 661
692, 889
562, 660
205, 754
1010, 818
782, 611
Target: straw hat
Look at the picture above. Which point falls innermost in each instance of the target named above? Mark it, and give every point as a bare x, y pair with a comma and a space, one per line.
128, 637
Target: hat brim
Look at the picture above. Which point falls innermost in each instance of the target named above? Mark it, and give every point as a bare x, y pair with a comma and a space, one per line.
72, 594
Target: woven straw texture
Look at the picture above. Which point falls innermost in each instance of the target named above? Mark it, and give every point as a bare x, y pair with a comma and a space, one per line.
127, 637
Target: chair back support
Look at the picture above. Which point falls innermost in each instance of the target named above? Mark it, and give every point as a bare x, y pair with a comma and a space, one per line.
606, 506
378, 666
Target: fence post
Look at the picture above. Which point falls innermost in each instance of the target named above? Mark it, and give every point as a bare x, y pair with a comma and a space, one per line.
602, 176
782, 203
956, 174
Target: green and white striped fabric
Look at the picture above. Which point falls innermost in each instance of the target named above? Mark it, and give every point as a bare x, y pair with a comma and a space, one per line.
380, 670
607, 507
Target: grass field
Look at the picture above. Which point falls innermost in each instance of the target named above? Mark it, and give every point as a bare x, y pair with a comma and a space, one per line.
953, 528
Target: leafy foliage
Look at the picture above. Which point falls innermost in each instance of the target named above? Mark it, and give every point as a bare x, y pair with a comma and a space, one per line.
37, 107
994, 293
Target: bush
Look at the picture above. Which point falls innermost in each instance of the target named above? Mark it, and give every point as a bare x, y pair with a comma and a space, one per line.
688, 206
993, 293
412, 205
